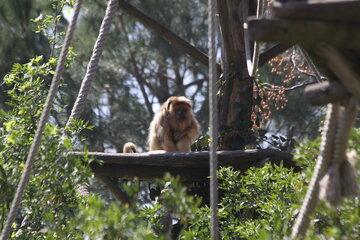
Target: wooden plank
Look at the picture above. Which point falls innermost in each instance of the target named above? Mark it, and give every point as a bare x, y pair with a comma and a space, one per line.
118, 193
325, 92
330, 10
191, 159
190, 167
306, 33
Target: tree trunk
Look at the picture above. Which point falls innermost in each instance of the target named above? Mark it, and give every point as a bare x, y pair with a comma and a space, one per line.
236, 101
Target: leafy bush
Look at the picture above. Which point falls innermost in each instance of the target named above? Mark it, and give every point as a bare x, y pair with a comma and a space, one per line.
50, 199
99, 220
263, 203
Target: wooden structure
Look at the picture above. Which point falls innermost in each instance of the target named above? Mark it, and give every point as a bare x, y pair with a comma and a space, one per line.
329, 30
310, 23
293, 22
190, 167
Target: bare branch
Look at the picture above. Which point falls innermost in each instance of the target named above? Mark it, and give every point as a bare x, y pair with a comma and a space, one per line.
167, 34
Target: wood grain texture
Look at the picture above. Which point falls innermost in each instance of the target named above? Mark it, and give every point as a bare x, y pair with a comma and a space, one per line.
305, 32
336, 11
325, 92
189, 166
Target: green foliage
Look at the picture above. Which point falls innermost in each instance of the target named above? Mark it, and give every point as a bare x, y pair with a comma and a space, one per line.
263, 203
99, 220
201, 144
50, 198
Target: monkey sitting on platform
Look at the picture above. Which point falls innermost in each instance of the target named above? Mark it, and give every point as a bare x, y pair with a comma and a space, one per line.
173, 129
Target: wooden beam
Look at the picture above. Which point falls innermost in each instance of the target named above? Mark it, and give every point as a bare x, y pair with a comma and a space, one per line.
336, 11
341, 67
165, 33
272, 52
325, 92
306, 33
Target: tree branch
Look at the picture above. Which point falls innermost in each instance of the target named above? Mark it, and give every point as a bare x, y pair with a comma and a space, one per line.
138, 76
168, 35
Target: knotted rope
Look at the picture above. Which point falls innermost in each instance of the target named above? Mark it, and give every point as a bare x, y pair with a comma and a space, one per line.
213, 124
15, 205
94, 61
333, 171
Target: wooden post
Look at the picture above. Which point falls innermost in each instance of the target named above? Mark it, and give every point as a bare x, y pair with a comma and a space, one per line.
236, 99
114, 189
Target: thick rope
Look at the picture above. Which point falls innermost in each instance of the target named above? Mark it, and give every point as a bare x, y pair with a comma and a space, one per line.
15, 205
326, 152
334, 177
340, 180
213, 125
94, 61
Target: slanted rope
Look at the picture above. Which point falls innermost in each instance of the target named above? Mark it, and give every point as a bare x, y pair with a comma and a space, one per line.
213, 117
15, 205
333, 177
92, 66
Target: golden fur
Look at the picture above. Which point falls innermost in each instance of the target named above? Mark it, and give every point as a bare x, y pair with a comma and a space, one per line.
174, 127
129, 147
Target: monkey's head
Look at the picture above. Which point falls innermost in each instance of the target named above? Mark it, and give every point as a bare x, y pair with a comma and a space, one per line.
179, 108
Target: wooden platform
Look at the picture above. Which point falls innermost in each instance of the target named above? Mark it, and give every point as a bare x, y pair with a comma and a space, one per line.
190, 167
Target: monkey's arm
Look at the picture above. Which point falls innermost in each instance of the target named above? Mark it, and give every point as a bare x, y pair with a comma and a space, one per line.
167, 143
192, 133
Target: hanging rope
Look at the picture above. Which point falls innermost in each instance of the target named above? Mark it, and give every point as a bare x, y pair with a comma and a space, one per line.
326, 151
15, 205
339, 180
213, 120
333, 177
94, 61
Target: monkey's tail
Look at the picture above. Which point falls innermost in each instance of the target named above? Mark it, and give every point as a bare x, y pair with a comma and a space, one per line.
129, 147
